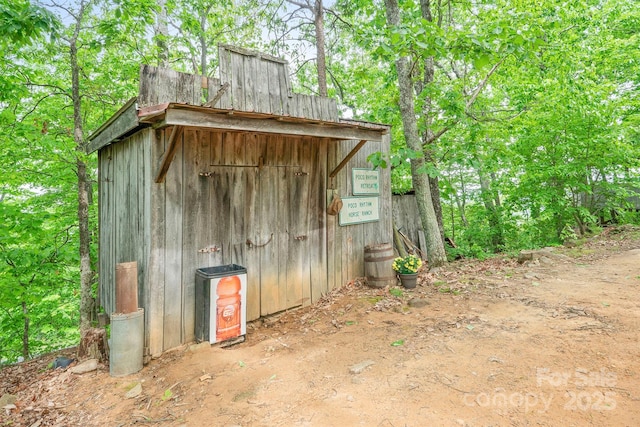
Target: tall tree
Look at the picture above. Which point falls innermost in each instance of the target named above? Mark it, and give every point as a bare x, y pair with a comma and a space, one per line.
316, 10
435, 246
84, 181
201, 25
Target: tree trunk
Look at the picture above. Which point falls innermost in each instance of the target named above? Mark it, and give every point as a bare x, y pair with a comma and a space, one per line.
320, 48
203, 43
434, 186
25, 331
86, 273
427, 79
204, 62
162, 34
435, 248
461, 202
84, 184
493, 215
94, 345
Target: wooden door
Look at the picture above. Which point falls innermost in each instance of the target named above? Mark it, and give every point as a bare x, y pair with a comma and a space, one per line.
282, 229
259, 219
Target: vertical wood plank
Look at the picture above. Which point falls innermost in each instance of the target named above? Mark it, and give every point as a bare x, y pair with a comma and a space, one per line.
263, 99
307, 108
216, 144
147, 139
238, 79
325, 114
136, 193
287, 82
282, 235
314, 271
315, 107
254, 144
132, 194
106, 207
252, 255
269, 149
386, 231
320, 159
184, 88
155, 279
123, 240
218, 219
224, 58
330, 223
267, 240
191, 236
333, 110
233, 149
298, 265
358, 237
239, 149
281, 151
173, 250
210, 147
319, 207
293, 105
285, 87
146, 78
250, 82
275, 95
237, 229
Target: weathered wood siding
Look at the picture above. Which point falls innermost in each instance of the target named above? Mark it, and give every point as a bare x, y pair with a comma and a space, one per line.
254, 200
406, 218
231, 197
346, 243
125, 216
248, 81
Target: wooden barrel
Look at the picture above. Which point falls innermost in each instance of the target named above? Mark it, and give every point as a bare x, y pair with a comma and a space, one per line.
378, 265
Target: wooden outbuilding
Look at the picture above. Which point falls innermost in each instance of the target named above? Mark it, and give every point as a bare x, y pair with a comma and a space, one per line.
197, 172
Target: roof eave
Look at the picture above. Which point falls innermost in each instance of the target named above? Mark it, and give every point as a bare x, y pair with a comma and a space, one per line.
130, 119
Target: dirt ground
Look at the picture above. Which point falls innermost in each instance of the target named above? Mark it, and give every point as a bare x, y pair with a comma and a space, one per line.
549, 342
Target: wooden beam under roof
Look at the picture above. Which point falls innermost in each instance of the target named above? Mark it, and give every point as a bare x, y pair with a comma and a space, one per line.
130, 119
199, 118
121, 123
169, 154
347, 158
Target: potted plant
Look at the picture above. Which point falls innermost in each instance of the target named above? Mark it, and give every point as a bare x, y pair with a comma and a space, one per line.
407, 268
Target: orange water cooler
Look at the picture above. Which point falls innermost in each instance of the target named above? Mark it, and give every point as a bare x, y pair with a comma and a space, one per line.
221, 301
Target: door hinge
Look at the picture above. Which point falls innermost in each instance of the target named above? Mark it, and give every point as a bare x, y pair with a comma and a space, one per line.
208, 250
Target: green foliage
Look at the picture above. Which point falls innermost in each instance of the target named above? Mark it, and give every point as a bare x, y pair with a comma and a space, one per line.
535, 103
21, 22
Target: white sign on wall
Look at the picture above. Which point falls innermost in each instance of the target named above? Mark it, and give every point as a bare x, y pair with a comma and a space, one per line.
356, 210
365, 181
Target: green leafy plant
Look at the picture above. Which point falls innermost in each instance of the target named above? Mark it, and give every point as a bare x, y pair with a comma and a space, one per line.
407, 265
396, 292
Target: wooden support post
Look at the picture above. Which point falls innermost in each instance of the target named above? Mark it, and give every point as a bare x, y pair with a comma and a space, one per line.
169, 154
347, 158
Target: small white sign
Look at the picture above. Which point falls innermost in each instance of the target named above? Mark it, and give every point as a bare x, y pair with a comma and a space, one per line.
365, 181
356, 210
